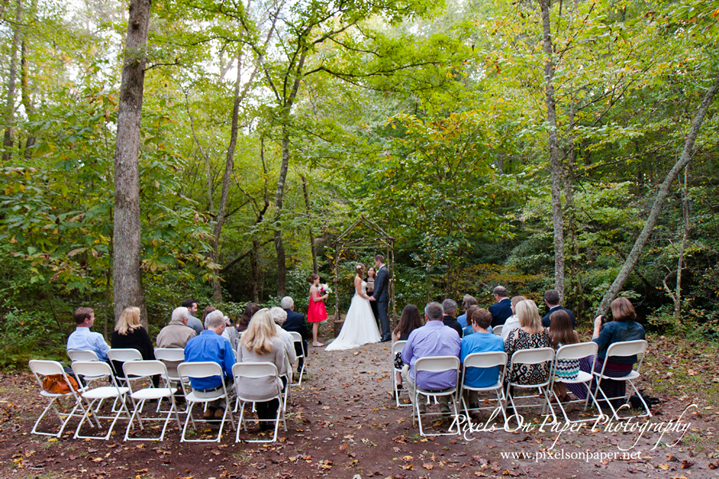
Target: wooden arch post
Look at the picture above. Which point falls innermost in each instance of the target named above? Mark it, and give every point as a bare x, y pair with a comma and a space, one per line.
381, 240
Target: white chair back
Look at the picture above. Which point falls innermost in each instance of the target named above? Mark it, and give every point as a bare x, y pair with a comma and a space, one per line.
437, 364
254, 370
497, 330
485, 360
576, 351
170, 354
533, 356
206, 369
141, 369
123, 355
92, 368
45, 368
627, 348
82, 355
397, 347
296, 337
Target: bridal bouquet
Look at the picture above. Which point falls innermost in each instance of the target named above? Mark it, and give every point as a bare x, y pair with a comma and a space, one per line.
324, 289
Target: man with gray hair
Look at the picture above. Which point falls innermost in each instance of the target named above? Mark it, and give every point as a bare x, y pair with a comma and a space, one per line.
432, 339
296, 322
229, 333
176, 333
449, 307
502, 309
211, 346
279, 316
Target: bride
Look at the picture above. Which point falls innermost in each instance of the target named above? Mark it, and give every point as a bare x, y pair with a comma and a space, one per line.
360, 326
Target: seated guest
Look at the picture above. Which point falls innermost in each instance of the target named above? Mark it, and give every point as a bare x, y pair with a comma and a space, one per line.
553, 302
432, 339
502, 309
207, 311
279, 316
192, 321
175, 335
561, 333
260, 343
513, 321
296, 322
467, 301
229, 333
408, 322
211, 346
84, 339
623, 328
482, 341
469, 329
250, 311
128, 334
530, 335
449, 306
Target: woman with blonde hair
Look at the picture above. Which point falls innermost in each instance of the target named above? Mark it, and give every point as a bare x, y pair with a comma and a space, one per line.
529, 335
261, 343
129, 334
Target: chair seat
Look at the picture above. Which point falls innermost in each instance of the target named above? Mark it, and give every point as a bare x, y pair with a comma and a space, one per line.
631, 376
582, 377
104, 392
530, 386
193, 398
153, 393
53, 395
494, 386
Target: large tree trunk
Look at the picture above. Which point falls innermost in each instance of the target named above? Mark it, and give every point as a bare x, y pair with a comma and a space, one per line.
26, 98
229, 166
127, 277
12, 80
279, 244
643, 237
313, 246
555, 162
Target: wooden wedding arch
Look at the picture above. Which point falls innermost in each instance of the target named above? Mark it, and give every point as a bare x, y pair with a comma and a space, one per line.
374, 238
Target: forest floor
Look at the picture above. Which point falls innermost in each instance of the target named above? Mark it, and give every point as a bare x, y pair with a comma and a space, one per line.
344, 424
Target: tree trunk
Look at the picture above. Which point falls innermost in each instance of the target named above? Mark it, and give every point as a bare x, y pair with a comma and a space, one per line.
555, 162
229, 166
643, 237
12, 80
279, 244
26, 98
127, 276
255, 269
313, 247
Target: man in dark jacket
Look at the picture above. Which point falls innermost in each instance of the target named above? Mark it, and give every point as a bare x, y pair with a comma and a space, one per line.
553, 302
502, 309
296, 322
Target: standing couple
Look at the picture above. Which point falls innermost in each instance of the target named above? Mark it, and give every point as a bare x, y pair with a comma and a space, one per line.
360, 326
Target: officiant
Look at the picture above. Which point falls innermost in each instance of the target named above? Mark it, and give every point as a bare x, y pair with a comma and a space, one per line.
371, 273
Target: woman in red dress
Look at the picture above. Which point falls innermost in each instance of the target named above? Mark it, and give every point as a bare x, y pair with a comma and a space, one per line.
316, 312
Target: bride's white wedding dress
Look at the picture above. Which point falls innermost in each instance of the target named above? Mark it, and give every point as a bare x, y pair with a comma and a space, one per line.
359, 327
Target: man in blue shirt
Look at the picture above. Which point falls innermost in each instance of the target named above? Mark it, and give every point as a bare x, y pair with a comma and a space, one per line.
432, 339
211, 346
83, 338
481, 341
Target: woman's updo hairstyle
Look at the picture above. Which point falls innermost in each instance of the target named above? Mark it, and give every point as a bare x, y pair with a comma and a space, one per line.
359, 268
312, 278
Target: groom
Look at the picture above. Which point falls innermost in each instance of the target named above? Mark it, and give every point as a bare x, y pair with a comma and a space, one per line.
381, 295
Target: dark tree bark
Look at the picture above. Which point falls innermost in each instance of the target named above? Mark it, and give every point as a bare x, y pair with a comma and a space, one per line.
555, 162
11, 84
127, 276
646, 232
26, 98
313, 247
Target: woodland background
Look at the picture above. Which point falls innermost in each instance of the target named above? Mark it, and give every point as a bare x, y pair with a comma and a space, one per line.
269, 126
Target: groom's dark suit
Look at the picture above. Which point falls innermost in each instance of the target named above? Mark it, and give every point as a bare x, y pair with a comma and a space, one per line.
381, 296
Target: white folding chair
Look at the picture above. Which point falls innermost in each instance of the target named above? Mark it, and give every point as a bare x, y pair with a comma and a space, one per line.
436, 364
82, 355
397, 347
200, 370
143, 371
41, 369
576, 352
171, 357
113, 391
624, 349
245, 371
485, 360
288, 382
122, 356
297, 338
497, 330
532, 357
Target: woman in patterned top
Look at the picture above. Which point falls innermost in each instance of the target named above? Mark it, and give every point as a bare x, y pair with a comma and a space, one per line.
561, 333
530, 335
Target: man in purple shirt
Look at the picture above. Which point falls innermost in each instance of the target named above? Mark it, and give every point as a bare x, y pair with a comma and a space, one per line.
432, 339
